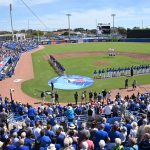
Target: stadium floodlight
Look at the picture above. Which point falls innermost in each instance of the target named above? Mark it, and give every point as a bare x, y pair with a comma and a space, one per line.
113, 16
68, 23
11, 20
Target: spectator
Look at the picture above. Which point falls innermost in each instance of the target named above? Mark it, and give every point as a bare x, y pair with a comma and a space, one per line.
118, 144
44, 141
22, 146
90, 143
145, 143
133, 145
51, 147
100, 135
70, 114
141, 130
114, 133
107, 110
37, 130
134, 130
84, 146
102, 145
67, 145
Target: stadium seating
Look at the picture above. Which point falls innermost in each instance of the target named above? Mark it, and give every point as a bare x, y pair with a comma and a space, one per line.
10, 54
53, 123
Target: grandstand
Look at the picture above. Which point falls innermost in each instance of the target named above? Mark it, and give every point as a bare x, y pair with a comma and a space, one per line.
52, 125
10, 53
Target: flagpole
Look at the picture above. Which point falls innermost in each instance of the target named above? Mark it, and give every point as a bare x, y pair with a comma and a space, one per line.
10, 8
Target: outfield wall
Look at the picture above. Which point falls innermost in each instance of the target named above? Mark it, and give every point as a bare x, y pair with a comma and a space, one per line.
86, 40
134, 40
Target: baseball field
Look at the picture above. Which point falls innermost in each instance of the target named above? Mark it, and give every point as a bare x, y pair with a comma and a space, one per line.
83, 59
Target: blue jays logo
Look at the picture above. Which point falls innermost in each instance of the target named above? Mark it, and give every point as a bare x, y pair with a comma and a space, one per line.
72, 82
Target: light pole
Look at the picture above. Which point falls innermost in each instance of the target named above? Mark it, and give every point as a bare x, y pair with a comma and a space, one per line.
11, 20
113, 16
69, 24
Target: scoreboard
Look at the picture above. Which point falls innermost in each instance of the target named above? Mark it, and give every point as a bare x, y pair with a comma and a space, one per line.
103, 29
139, 33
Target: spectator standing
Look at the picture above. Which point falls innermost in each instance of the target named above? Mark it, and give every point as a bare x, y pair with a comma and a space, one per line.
118, 144
83, 98
90, 142
43, 95
70, 114
53, 97
133, 145
76, 95
102, 145
107, 110
126, 83
134, 84
100, 135
3, 117
145, 143
56, 98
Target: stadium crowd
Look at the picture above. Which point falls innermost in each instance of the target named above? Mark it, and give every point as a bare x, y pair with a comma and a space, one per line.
100, 124
10, 53
124, 71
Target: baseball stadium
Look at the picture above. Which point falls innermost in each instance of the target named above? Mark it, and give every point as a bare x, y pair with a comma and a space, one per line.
74, 88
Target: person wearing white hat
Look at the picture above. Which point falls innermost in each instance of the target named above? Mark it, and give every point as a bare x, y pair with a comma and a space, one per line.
72, 126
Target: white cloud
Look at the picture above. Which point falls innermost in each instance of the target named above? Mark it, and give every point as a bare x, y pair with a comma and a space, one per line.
127, 17
31, 2
38, 2
87, 19
6, 2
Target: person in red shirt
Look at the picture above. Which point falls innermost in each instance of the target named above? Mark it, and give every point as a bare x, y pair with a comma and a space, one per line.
89, 142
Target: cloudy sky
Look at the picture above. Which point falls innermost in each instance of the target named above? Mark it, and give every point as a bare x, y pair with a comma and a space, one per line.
129, 13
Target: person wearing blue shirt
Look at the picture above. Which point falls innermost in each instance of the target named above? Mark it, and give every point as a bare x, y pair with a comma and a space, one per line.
14, 129
100, 135
50, 133
70, 114
133, 145
7, 145
44, 140
60, 137
31, 113
28, 141
22, 146
114, 133
128, 126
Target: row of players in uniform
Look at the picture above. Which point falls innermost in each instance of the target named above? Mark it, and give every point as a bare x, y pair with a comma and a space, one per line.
117, 72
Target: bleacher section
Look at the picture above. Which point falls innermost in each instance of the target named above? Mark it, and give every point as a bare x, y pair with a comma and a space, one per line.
29, 123
10, 53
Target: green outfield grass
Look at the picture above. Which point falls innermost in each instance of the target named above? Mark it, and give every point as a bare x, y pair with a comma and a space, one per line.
84, 66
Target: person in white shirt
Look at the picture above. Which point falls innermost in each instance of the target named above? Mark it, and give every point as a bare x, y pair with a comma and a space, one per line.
55, 127
134, 130
107, 110
37, 130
